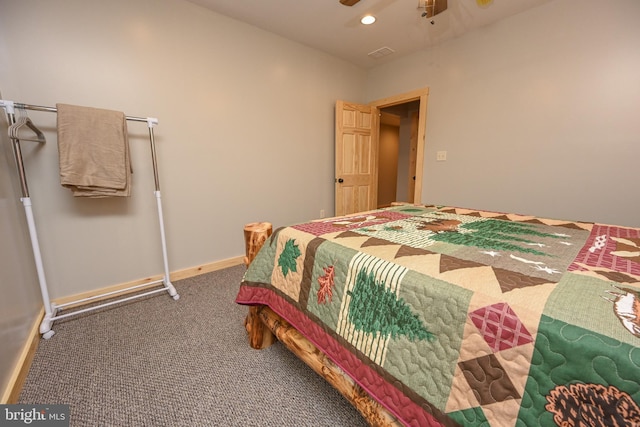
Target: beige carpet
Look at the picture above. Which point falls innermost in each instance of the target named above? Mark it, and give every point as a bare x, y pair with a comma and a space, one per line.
160, 362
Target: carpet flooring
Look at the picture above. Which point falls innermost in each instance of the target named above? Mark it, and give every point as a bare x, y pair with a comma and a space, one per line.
160, 362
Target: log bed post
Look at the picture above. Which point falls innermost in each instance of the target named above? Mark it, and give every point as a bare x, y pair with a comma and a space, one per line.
255, 234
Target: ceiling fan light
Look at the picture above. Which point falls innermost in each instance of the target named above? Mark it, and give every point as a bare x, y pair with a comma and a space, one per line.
368, 19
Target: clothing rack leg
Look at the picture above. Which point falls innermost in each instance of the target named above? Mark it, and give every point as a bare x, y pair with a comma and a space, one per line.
49, 312
167, 281
151, 122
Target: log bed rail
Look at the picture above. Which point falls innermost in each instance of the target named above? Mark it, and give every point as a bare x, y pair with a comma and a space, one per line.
264, 327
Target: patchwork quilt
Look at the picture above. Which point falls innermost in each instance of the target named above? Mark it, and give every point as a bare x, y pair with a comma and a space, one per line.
451, 316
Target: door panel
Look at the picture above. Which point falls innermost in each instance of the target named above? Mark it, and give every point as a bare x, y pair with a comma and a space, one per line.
356, 157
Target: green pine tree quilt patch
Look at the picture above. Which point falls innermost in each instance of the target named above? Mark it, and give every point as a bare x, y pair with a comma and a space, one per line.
376, 310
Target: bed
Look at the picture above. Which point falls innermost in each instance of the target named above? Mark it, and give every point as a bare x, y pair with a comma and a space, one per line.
436, 315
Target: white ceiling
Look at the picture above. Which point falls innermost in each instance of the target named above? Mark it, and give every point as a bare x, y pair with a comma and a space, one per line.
333, 28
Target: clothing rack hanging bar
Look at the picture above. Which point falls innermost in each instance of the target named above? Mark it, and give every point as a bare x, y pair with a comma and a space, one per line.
55, 110
51, 309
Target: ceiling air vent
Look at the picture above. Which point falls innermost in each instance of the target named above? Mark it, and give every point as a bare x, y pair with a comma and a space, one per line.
379, 53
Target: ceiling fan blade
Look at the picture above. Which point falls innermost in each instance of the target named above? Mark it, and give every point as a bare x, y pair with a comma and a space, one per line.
349, 2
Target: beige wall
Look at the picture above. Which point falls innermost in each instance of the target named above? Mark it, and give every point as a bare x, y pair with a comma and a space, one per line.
538, 113
245, 134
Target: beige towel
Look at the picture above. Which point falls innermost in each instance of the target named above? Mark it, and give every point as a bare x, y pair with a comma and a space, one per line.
94, 151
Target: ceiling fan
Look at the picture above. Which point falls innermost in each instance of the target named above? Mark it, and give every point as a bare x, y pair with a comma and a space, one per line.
431, 7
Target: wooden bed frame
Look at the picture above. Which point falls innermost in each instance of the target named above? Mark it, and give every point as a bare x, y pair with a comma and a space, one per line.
264, 327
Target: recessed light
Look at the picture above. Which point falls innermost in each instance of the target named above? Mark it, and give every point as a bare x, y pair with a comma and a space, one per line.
368, 19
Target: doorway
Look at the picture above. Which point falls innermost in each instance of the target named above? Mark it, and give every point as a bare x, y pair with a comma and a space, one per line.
357, 152
412, 109
397, 143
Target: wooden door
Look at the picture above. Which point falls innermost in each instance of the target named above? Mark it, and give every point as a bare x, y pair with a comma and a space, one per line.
356, 181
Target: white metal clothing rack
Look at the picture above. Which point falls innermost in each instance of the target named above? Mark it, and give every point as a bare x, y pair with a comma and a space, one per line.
51, 309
